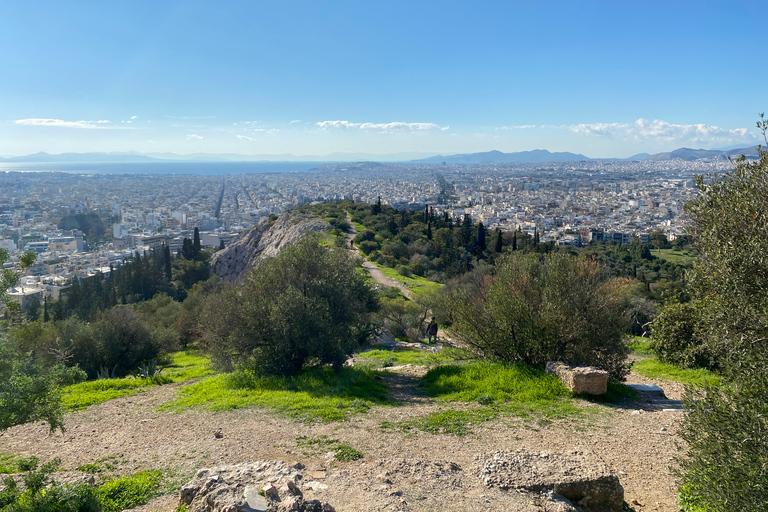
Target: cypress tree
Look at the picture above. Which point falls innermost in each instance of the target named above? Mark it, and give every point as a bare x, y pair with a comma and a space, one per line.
167, 262
514, 241
46, 317
429, 231
499, 241
196, 243
481, 244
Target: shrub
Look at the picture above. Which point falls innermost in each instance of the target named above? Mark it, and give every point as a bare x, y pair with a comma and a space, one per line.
674, 339
545, 308
368, 246
307, 305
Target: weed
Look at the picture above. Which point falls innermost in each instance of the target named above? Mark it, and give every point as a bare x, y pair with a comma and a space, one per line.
639, 346
129, 492
316, 393
10, 463
443, 422
346, 453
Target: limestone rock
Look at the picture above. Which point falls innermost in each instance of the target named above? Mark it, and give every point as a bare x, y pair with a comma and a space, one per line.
236, 488
580, 379
577, 476
264, 240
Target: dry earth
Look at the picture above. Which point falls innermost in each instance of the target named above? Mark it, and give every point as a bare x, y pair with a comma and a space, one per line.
399, 471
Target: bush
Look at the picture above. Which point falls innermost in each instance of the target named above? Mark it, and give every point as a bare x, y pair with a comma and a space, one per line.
674, 339
368, 246
725, 429
307, 305
550, 308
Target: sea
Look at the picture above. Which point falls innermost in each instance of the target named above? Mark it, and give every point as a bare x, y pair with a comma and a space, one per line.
170, 167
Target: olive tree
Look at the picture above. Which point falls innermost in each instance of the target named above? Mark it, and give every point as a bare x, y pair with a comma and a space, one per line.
724, 468
536, 309
307, 305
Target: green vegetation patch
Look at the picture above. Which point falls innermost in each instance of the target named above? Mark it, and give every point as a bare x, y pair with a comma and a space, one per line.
692, 377
184, 366
681, 257
11, 463
130, 491
314, 445
639, 346
315, 393
418, 285
383, 358
443, 422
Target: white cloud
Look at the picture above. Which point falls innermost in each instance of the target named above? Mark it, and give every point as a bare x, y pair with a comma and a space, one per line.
643, 129
133, 117
516, 127
59, 123
385, 127
103, 121
243, 137
192, 136
295, 121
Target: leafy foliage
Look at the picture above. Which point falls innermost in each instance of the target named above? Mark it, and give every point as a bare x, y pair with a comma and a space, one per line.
550, 308
307, 305
675, 340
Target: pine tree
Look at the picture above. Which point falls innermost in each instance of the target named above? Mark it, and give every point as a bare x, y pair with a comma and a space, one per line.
377, 206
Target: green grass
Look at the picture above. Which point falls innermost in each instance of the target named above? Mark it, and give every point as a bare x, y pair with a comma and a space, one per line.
674, 256
657, 370
315, 445
315, 394
383, 358
130, 491
639, 346
418, 285
184, 366
508, 389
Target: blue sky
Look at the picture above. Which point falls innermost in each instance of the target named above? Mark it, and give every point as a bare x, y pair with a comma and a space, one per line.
606, 79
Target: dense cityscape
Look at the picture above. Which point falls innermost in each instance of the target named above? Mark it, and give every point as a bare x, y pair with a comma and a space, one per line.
566, 203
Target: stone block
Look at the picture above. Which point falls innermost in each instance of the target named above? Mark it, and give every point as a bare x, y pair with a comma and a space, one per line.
580, 379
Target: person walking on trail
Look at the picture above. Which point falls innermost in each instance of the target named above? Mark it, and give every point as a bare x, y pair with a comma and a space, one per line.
432, 331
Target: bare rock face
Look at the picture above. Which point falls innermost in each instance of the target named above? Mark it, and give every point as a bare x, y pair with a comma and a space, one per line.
263, 241
249, 488
580, 379
578, 476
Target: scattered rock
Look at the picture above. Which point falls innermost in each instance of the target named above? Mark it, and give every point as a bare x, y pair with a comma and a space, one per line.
249, 488
578, 476
580, 379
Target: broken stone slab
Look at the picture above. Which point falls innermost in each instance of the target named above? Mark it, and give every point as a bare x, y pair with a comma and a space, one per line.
580, 379
578, 476
646, 388
248, 488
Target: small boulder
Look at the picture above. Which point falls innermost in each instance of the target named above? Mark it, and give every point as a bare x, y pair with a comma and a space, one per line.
580, 379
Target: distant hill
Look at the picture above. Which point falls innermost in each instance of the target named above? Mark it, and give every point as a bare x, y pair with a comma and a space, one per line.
695, 154
82, 158
489, 157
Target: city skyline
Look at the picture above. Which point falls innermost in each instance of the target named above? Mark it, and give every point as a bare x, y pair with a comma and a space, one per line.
303, 78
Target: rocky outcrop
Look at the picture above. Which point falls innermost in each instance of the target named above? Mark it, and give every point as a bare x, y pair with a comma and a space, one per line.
255, 487
264, 240
580, 379
578, 476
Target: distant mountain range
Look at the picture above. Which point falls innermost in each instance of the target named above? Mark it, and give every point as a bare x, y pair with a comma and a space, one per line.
487, 157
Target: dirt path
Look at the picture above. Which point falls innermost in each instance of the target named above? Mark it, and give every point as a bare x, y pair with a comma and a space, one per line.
376, 274
636, 440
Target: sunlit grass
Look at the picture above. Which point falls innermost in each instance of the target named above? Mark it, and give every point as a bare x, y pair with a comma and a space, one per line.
315, 394
654, 369
383, 358
183, 366
417, 284
639, 346
674, 256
